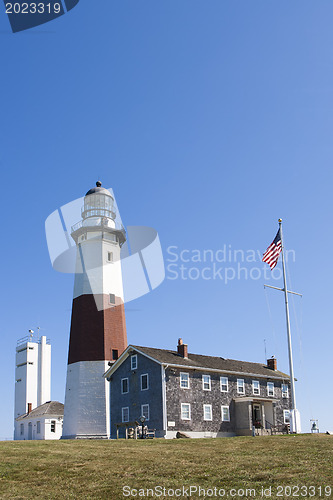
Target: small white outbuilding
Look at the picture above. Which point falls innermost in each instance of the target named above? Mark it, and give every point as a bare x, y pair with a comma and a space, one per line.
43, 422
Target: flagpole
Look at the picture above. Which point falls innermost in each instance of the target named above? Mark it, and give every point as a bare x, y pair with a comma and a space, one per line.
285, 289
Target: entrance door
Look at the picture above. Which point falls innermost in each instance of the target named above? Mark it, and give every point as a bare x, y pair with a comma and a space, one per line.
30, 430
256, 415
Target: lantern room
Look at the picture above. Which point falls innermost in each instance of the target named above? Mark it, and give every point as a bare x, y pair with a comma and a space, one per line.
98, 202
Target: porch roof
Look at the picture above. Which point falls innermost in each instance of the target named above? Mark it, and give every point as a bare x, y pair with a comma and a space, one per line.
254, 399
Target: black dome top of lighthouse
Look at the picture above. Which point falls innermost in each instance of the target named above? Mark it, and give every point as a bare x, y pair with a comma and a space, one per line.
98, 190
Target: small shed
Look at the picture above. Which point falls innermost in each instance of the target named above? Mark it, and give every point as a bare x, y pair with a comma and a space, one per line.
43, 422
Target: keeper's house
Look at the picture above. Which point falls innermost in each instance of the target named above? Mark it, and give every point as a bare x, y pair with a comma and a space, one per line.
201, 396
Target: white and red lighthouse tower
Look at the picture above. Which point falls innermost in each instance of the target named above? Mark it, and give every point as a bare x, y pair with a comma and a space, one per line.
98, 330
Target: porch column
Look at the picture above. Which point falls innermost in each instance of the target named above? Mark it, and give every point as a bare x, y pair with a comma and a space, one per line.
263, 416
250, 415
274, 414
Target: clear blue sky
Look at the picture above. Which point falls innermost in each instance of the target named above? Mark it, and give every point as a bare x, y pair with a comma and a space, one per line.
210, 120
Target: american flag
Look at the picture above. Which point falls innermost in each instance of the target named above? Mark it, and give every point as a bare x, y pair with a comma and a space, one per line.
272, 253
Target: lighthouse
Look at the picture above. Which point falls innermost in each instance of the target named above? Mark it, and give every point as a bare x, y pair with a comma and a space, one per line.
98, 329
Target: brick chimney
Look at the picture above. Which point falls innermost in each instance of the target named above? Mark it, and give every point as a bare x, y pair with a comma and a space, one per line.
182, 348
29, 408
272, 363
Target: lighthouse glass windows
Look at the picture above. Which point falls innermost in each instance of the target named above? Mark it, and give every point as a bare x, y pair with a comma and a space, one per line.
98, 205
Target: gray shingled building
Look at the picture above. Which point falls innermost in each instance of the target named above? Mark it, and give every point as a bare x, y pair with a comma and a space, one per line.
201, 396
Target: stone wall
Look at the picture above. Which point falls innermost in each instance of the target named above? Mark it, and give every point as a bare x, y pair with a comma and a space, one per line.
197, 397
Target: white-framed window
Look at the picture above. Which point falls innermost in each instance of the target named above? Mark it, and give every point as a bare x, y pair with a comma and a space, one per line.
53, 425
285, 390
22, 429
184, 380
256, 387
286, 416
270, 388
145, 411
124, 385
110, 256
225, 413
112, 298
125, 414
206, 382
144, 382
134, 362
240, 386
224, 384
185, 411
207, 411
38, 426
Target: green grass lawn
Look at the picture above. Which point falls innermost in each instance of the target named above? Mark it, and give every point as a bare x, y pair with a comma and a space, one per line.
100, 469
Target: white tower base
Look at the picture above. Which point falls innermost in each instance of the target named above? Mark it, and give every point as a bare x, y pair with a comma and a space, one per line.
86, 416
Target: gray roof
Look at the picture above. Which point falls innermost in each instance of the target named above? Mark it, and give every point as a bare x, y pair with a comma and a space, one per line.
210, 362
49, 408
